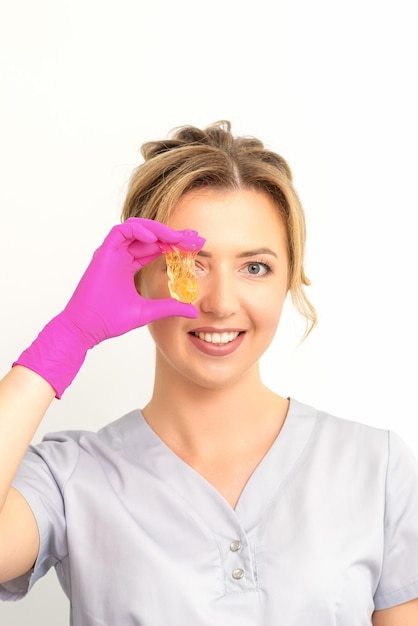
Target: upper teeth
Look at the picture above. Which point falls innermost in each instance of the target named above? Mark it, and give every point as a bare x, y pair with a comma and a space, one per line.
217, 337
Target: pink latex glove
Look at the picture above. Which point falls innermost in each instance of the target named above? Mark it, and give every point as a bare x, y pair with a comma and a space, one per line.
106, 303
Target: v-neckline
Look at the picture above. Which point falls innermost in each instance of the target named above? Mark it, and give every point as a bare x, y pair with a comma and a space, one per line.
261, 487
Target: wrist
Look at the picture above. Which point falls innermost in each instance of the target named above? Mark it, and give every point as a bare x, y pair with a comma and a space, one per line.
57, 353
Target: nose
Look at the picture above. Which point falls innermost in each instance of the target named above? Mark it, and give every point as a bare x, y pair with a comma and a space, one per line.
219, 294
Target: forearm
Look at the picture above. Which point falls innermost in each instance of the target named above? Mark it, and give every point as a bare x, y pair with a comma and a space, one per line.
105, 304
24, 398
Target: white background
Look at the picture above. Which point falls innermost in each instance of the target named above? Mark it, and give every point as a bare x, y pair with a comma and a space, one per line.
329, 84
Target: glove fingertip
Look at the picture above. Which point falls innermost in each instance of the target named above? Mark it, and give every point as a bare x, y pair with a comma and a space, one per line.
170, 307
189, 311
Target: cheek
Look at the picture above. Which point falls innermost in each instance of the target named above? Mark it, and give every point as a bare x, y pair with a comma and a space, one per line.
272, 318
269, 308
164, 333
137, 281
151, 281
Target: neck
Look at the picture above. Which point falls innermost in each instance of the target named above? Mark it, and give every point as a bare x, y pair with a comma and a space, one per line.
206, 421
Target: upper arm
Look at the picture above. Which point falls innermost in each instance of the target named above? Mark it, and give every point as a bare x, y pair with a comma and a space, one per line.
19, 537
402, 615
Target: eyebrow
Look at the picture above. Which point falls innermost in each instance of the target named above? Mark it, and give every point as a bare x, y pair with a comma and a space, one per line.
241, 255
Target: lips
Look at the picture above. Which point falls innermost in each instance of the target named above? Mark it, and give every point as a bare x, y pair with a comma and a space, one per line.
216, 342
217, 337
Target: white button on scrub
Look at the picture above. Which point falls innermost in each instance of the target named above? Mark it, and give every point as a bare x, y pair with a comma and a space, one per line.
238, 573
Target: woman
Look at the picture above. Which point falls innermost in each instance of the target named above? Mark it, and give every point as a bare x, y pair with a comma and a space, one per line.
219, 502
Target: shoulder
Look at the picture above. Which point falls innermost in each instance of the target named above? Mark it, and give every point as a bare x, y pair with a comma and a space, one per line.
114, 433
367, 446
328, 424
61, 451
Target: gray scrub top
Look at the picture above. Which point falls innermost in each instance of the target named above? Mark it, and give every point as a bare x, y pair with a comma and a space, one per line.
325, 531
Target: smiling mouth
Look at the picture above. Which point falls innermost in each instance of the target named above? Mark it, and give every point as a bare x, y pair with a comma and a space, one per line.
218, 338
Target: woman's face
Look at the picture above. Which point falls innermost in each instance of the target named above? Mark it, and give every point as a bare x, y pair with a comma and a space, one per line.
242, 273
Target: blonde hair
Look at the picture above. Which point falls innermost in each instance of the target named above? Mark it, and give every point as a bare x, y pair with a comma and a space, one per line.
193, 158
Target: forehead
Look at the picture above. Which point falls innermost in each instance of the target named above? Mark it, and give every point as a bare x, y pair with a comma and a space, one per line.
242, 216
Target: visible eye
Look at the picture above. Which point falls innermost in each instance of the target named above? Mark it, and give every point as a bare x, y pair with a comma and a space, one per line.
257, 268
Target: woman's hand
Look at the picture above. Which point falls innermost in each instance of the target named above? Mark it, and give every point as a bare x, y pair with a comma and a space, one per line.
106, 303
